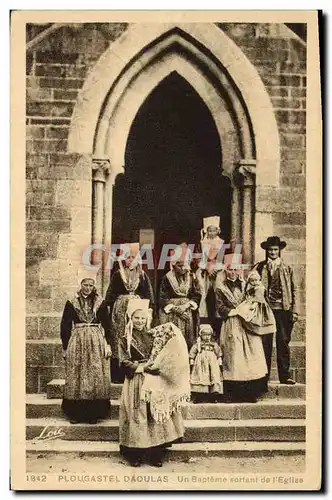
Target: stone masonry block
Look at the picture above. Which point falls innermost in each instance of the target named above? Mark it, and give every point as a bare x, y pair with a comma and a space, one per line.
34, 306
54, 108
31, 327
35, 132
284, 103
290, 167
277, 91
293, 181
296, 232
48, 213
36, 161
39, 353
34, 93
58, 172
299, 331
293, 154
31, 379
64, 159
41, 239
298, 92
297, 218
49, 326
40, 292
48, 373
65, 95
71, 246
58, 356
56, 56
294, 141
81, 219
300, 375
57, 132
43, 199
74, 193
280, 200
61, 83
298, 356
63, 293
51, 226
56, 272
48, 146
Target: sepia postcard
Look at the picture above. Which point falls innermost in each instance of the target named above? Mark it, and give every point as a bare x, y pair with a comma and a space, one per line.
166, 244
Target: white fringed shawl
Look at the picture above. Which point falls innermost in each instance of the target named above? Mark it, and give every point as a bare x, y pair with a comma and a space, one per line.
168, 391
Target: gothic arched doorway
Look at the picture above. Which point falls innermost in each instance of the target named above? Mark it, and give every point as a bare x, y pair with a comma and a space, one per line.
173, 170
219, 72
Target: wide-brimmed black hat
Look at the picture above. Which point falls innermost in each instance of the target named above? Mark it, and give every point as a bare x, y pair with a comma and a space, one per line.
273, 241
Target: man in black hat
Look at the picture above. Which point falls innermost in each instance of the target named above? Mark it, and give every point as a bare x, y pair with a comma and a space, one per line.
277, 277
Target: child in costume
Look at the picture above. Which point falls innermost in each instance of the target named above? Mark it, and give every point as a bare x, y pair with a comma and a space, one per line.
205, 358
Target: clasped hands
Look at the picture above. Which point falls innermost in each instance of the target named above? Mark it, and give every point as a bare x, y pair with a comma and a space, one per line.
182, 311
147, 368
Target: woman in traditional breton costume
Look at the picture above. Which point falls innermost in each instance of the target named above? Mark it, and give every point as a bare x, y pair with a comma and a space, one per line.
179, 298
210, 273
129, 282
85, 335
244, 365
156, 384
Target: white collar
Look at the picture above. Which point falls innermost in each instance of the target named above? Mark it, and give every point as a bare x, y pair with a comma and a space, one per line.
274, 262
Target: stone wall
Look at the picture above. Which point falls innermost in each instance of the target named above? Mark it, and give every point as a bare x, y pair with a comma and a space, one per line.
58, 186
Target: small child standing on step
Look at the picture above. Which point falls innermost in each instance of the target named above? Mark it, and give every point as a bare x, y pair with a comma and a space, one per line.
205, 358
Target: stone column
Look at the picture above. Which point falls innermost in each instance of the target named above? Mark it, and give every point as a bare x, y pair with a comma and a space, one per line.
245, 176
100, 174
236, 215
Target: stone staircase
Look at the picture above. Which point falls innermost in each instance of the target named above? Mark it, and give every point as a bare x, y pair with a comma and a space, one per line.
273, 426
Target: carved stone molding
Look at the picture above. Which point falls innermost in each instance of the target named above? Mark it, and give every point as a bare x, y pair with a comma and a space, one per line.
245, 172
101, 168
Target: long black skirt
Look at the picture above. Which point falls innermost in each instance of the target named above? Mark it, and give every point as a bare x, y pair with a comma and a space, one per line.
84, 410
246, 391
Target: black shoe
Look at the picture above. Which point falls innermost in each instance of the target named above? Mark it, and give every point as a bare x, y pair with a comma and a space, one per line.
135, 463
156, 458
250, 399
92, 421
73, 421
288, 381
156, 462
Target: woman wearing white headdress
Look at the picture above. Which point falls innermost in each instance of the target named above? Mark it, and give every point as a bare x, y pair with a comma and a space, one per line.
86, 335
243, 314
127, 283
210, 272
156, 383
179, 297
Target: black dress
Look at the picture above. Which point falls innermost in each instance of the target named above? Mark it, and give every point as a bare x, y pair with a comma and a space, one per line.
85, 331
122, 287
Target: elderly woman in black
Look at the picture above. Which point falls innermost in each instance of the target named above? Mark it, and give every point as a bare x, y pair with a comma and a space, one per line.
85, 335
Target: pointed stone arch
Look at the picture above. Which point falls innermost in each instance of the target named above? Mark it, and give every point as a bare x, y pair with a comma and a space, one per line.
226, 81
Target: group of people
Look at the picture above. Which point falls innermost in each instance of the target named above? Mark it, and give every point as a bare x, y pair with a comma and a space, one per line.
209, 338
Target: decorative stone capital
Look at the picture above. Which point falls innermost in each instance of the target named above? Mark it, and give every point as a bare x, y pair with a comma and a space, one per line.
245, 172
101, 168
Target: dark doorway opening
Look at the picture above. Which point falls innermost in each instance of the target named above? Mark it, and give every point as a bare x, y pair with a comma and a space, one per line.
173, 169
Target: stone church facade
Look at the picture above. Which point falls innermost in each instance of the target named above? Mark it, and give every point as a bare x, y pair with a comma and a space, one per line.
85, 86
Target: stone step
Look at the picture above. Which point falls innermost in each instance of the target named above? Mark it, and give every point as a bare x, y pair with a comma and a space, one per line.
38, 406
54, 390
44, 362
196, 430
181, 451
